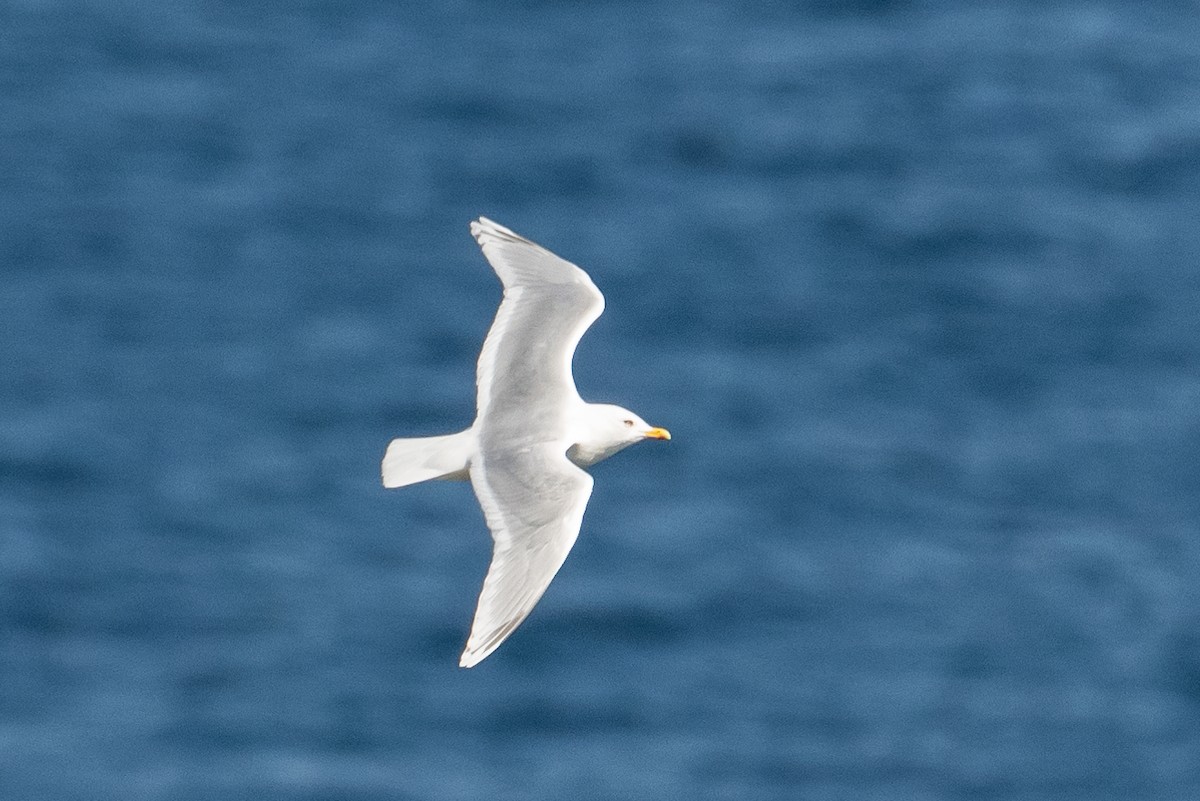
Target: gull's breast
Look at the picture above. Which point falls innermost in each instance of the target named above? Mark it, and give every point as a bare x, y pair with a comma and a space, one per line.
587, 454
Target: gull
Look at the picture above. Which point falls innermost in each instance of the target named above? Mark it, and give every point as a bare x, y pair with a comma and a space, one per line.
532, 433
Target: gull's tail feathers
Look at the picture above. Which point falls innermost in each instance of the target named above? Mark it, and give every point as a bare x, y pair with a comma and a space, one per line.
411, 461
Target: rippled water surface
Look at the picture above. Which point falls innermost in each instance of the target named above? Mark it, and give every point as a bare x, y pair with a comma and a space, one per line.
913, 284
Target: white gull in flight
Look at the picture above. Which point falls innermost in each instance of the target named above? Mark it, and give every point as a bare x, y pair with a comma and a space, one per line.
532, 432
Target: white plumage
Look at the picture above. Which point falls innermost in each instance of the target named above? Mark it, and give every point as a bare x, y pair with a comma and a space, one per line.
532, 432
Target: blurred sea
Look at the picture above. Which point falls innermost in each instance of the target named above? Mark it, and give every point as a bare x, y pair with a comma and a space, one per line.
913, 284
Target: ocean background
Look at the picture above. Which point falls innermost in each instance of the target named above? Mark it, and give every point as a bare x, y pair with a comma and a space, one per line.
914, 285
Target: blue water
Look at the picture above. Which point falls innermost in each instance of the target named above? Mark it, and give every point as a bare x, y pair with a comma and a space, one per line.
913, 284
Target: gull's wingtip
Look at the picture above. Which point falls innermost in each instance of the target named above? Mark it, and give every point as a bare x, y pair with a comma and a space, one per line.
484, 229
483, 226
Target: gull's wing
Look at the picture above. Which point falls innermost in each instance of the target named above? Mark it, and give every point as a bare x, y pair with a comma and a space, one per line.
524, 373
532, 496
533, 499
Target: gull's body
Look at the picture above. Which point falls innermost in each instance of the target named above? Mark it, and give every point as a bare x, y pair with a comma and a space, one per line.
532, 432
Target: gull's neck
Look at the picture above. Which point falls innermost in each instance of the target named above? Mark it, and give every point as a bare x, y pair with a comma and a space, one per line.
591, 436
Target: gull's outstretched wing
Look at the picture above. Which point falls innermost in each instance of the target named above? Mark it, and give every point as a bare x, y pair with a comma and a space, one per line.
532, 496
533, 500
524, 373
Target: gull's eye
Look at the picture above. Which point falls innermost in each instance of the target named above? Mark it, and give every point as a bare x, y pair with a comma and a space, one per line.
629, 424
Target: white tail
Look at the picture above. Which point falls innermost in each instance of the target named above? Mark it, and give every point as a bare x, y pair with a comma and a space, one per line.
410, 461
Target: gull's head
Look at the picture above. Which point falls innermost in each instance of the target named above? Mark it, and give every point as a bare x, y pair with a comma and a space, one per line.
624, 426
608, 429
